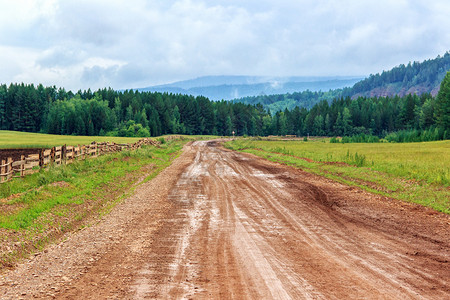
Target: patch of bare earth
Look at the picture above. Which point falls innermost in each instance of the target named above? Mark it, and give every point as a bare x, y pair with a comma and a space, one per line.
221, 224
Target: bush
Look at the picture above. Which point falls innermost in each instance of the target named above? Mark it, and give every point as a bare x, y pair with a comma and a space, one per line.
411, 136
345, 139
358, 159
334, 140
143, 132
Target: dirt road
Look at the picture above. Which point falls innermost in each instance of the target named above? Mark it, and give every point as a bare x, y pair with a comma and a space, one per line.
223, 225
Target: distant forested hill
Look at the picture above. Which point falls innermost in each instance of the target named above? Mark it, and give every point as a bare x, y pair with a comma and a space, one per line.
414, 78
231, 87
306, 99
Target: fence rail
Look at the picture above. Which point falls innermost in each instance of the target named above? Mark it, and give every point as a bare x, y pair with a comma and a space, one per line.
63, 155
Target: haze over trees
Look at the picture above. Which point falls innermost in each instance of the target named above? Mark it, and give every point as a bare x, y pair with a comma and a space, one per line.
232, 87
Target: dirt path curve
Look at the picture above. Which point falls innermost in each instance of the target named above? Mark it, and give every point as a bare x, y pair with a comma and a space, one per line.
218, 224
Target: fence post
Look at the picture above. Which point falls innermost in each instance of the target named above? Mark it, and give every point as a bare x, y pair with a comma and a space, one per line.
9, 168
22, 166
41, 158
52, 156
2, 170
63, 155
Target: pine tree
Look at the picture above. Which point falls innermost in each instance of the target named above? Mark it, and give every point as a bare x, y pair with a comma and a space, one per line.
318, 126
339, 126
3, 121
346, 121
228, 126
442, 111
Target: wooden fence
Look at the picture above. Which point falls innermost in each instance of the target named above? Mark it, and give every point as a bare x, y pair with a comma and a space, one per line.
64, 155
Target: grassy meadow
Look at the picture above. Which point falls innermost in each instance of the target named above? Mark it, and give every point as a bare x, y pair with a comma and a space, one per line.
16, 139
414, 172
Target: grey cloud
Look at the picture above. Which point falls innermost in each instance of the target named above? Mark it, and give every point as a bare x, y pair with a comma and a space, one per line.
93, 75
60, 57
98, 23
125, 76
158, 41
130, 74
98, 75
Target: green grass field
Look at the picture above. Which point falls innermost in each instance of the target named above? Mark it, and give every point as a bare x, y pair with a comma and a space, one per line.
15, 139
415, 172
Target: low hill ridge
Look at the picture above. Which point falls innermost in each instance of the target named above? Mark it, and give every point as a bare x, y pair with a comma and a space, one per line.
232, 87
413, 78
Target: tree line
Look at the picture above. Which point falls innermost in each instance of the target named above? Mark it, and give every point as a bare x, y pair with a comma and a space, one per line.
133, 113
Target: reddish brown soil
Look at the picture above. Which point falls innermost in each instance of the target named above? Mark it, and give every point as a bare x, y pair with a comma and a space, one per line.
218, 224
16, 153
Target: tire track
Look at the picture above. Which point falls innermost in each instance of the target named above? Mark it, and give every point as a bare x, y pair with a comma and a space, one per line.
284, 232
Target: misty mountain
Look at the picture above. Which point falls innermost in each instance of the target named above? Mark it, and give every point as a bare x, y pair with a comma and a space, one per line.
413, 78
232, 87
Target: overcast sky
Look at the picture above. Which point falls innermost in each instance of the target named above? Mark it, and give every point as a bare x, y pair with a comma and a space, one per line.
135, 43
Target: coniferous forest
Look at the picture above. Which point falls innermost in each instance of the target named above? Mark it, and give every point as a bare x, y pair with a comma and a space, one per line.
132, 113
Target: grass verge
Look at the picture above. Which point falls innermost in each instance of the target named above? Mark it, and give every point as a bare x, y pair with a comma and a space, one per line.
413, 172
44, 206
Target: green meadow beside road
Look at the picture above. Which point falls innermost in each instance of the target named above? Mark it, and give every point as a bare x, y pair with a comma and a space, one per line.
16, 139
413, 172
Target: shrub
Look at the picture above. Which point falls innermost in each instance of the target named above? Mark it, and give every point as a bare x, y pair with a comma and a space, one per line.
410, 136
334, 140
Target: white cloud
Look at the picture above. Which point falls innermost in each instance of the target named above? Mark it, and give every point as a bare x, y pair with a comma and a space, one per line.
82, 44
